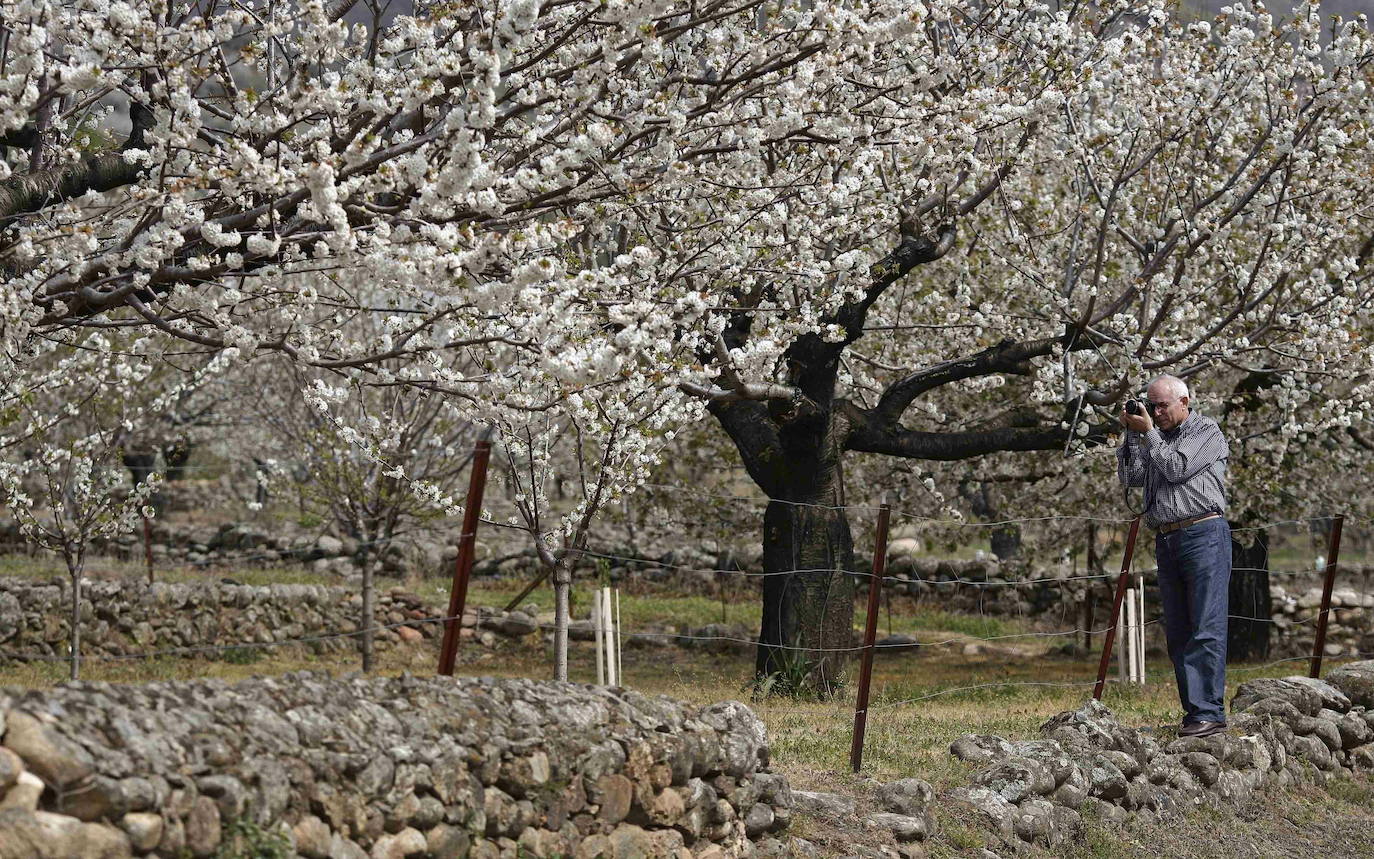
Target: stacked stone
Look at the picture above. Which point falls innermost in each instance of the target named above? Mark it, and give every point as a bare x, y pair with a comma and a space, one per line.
689, 570
382, 767
1349, 624
1282, 731
905, 816
989, 586
121, 618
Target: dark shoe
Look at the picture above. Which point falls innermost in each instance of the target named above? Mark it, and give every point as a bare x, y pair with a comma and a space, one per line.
1201, 729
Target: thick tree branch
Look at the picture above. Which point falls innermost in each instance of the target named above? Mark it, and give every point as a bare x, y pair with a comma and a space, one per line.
745, 391
20, 138
1360, 438
914, 249
1005, 357
813, 361
28, 193
869, 436
755, 434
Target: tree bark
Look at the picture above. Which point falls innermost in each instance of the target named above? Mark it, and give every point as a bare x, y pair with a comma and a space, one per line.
807, 619
808, 593
368, 620
1006, 541
562, 584
140, 465
74, 570
176, 456
1247, 637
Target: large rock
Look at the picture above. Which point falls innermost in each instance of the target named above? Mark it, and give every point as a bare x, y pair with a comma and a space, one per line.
24, 793
30, 834
1017, 778
1356, 680
516, 624
312, 837
10, 768
144, 830
1304, 698
1049, 754
1354, 730
1035, 821
744, 746
902, 827
988, 807
1278, 708
1105, 779
49, 755
1332, 698
822, 804
908, 796
980, 748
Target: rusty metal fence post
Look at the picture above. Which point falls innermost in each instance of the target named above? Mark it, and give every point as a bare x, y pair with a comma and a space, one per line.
875, 586
1333, 550
462, 570
1121, 581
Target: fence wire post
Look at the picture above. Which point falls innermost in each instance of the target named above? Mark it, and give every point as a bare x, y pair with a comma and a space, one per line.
1140, 629
1333, 550
875, 584
467, 548
1116, 608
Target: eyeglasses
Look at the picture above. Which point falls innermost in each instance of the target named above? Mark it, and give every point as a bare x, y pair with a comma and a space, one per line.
1157, 407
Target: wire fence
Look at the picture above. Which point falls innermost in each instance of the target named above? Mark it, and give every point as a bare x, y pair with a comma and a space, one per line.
950, 579
631, 634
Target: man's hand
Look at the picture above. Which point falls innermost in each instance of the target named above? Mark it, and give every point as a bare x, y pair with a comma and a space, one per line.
1140, 423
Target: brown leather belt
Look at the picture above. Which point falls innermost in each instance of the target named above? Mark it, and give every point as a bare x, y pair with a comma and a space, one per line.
1170, 527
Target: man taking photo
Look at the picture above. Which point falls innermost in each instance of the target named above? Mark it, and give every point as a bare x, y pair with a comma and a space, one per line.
1179, 458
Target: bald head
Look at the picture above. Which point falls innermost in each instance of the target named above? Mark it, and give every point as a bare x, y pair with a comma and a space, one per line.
1172, 385
1168, 396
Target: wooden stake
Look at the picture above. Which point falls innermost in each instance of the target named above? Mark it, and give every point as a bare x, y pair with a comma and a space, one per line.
462, 569
1334, 550
1121, 580
875, 585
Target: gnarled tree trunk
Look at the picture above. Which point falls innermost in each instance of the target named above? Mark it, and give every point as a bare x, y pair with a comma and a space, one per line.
1247, 637
806, 627
176, 456
808, 594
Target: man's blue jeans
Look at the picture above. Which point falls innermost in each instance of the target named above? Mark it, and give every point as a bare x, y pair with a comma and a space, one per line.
1194, 581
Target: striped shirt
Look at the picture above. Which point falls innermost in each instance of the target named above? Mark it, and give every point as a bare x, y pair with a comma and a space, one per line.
1183, 470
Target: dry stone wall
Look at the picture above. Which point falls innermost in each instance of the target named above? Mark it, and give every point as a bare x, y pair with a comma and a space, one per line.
1087, 766
315, 766
1282, 732
212, 620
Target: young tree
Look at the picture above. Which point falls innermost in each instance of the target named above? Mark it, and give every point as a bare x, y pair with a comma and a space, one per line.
62, 444
358, 459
